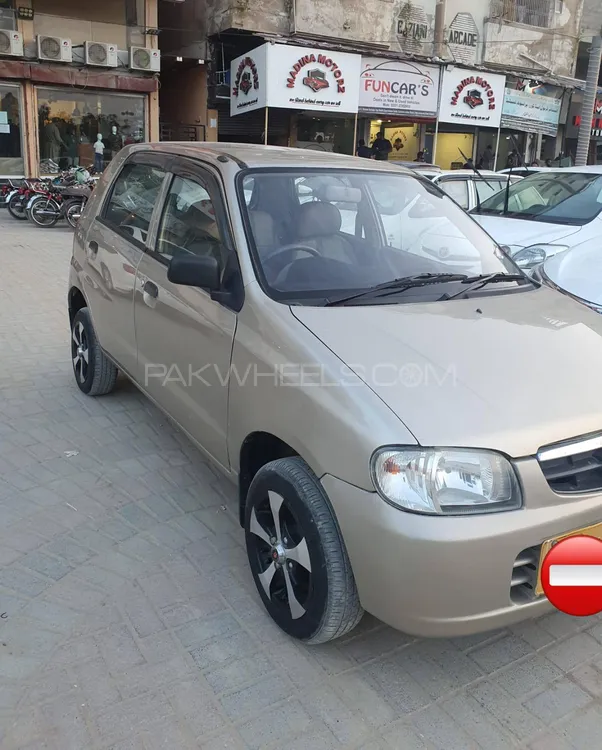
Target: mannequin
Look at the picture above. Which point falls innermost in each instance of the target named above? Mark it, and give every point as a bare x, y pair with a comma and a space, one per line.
99, 150
115, 141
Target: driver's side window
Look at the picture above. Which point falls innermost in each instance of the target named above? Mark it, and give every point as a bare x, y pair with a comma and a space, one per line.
189, 224
133, 198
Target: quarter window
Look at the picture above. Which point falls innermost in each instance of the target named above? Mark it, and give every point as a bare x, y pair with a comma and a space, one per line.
133, 198
456, 189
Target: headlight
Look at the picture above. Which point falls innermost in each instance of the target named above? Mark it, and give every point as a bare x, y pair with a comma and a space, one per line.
447, 482
536, 254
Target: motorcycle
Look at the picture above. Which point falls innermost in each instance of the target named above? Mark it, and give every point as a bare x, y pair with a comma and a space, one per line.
48, 208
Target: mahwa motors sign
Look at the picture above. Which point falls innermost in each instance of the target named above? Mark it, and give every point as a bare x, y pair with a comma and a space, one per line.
398, 87
472, 97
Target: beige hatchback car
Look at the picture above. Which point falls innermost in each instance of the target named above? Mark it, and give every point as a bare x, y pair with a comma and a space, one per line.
408, 437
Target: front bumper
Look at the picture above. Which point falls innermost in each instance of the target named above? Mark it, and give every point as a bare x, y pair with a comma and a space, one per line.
440, 577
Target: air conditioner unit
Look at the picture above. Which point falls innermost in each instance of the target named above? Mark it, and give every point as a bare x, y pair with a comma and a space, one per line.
11, 43
101, 54
55, 49
144, 58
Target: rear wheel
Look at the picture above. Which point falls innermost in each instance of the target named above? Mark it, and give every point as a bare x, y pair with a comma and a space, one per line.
16, 207
297, 555
44, 212
94, 372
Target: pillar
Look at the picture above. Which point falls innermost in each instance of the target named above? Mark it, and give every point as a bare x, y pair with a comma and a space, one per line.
151, 20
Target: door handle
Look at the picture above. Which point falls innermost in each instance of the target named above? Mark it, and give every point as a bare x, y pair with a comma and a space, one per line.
93, 245
151, 289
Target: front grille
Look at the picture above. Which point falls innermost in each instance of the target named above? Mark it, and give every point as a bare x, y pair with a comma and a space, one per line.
573, 467
524, 576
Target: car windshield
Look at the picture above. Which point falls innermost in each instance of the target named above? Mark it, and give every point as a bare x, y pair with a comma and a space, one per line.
318, 233
565, 197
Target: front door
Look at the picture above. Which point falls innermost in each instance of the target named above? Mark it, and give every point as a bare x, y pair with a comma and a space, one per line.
115, 244
184, 337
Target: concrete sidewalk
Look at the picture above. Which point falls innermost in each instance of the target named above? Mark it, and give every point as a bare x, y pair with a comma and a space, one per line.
129, 620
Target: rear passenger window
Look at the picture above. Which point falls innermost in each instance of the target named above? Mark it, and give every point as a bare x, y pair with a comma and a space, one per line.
133, 198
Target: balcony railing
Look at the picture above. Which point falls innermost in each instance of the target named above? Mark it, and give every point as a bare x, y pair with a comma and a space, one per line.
530, 12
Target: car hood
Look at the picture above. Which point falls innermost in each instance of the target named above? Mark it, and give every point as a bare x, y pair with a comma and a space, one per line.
519, 233
578, 271
507, 372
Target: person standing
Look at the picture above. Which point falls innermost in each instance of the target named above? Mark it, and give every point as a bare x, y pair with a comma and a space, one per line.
362, 150
381, 148
487, 158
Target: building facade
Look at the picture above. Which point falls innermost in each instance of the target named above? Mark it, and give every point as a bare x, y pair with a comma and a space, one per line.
71, 72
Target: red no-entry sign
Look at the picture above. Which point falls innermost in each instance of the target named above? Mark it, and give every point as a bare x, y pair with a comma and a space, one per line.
571, 575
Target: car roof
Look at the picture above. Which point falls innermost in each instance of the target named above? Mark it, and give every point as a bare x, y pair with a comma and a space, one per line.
256, 156
469, 173
592, 168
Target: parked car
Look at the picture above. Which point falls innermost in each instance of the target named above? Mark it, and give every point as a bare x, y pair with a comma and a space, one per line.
523, 171
373, 406
546, 213
466, 187
576, 272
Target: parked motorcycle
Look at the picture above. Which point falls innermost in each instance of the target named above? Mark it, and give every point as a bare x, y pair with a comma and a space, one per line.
56, 203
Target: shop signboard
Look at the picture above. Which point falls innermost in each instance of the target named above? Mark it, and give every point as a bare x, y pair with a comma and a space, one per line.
398, 87
472, 97
463, 39
574, 120
413, 29
312, 78
532, 113
248, 82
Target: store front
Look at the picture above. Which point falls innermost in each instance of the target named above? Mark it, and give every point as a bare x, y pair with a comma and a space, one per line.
572, 130
530, 112
11, 135
470, 113
314, 89
70, 121
398, 98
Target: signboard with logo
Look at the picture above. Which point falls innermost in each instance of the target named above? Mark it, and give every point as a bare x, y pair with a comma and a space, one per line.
311, 78
248, 83
398, 87
472, 97
463, 39
532, 113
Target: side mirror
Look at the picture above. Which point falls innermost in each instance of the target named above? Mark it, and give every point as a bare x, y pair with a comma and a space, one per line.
195, 270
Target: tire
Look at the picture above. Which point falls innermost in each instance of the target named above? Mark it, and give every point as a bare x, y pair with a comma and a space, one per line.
98, 375
44, 204
72, 210
325, 604
16, 208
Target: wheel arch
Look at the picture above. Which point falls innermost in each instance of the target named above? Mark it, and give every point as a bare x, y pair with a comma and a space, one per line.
76, 301
257, 450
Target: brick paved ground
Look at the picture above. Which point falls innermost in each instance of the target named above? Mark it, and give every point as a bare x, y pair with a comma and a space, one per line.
129, 620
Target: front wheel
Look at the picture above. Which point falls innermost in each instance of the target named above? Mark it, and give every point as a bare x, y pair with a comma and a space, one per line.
44, 212
72, 211
16, 207
297, 554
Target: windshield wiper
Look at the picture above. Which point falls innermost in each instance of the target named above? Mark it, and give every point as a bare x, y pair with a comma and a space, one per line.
480, 281
399, 285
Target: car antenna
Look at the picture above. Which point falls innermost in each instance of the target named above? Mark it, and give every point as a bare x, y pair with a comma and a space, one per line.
476, 171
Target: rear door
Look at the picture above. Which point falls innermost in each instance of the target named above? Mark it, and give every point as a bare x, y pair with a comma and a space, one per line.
114, 246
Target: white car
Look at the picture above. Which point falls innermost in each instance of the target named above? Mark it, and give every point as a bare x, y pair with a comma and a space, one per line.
466, 187
576, 272
545, 214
